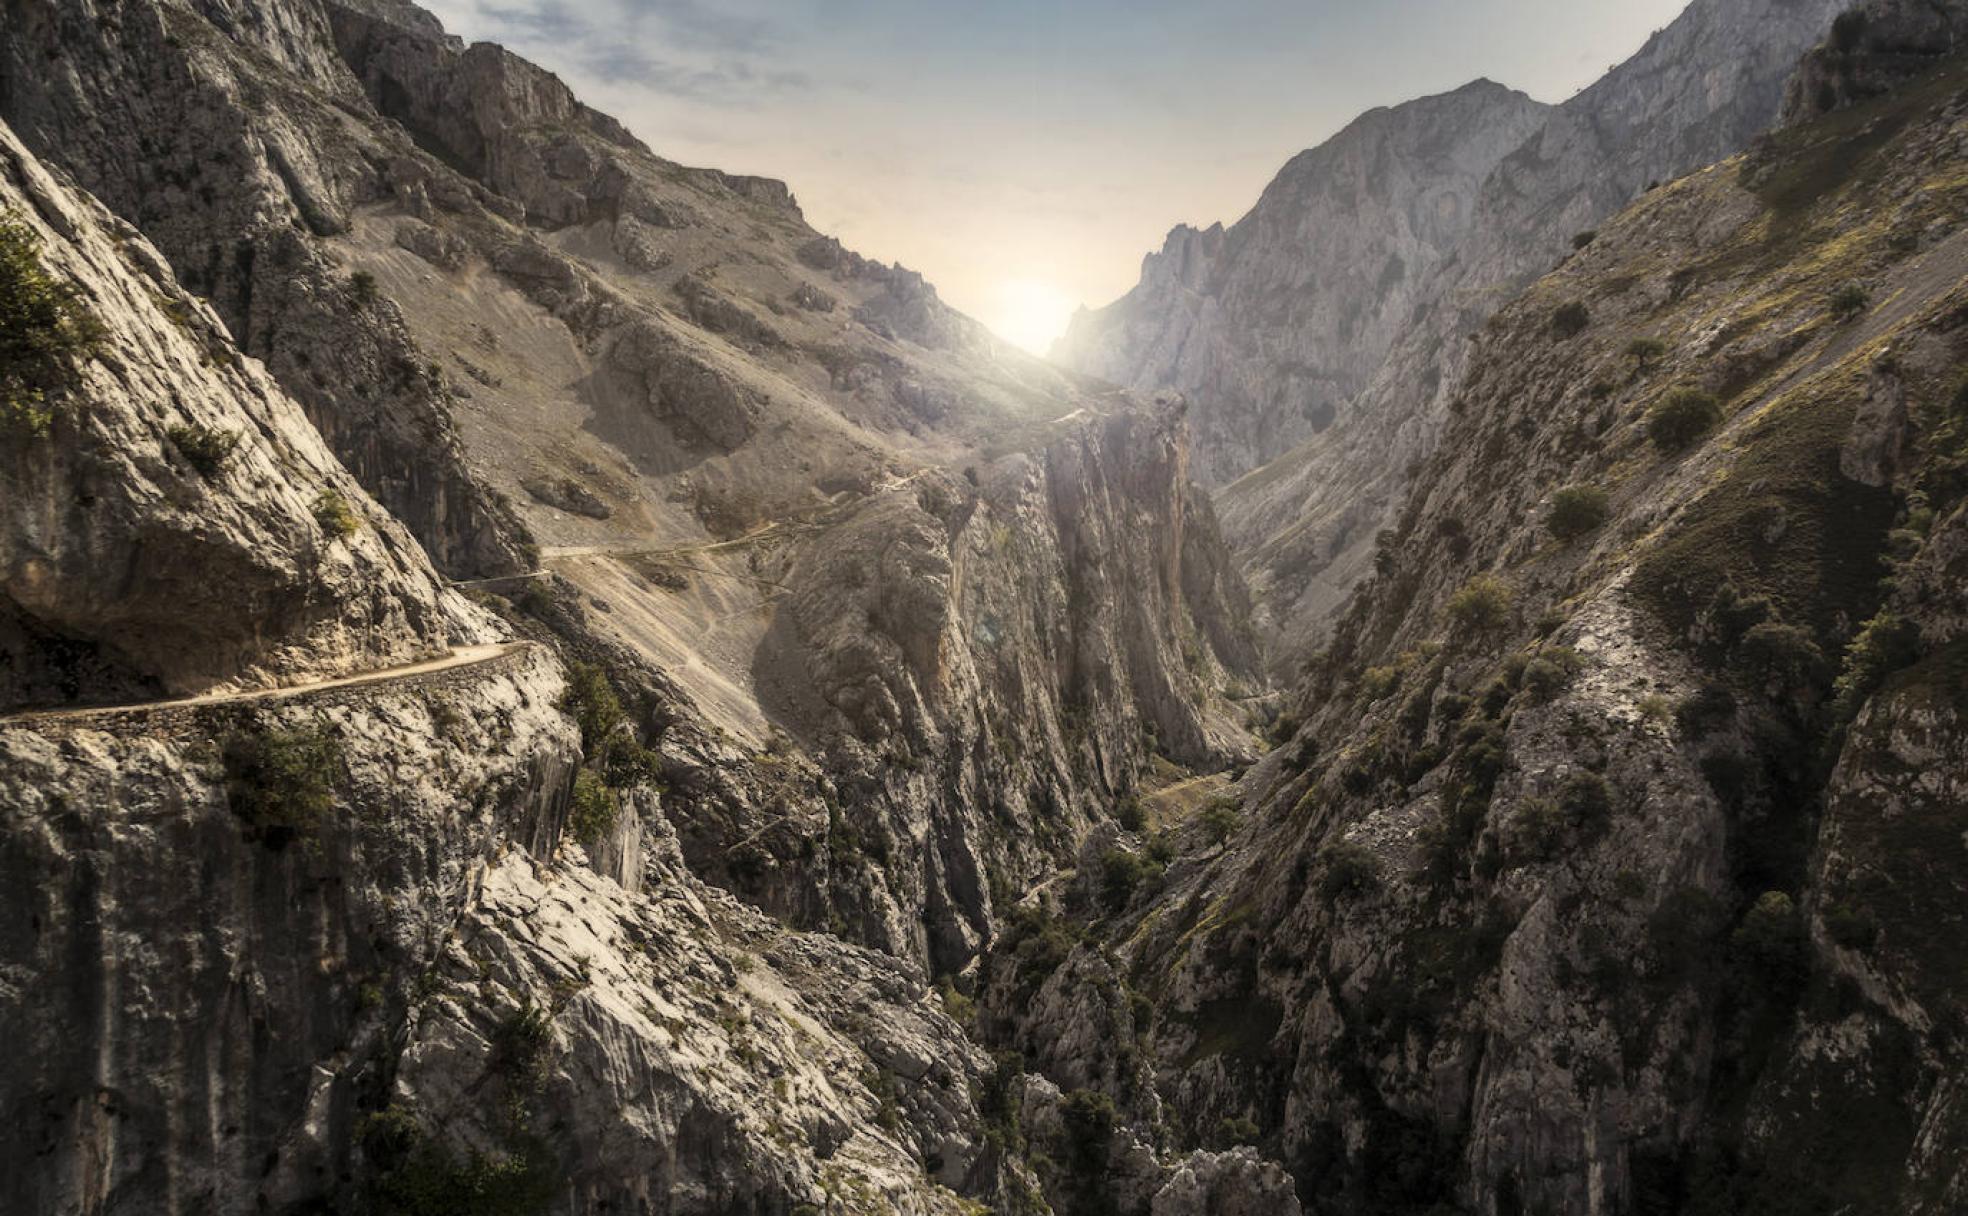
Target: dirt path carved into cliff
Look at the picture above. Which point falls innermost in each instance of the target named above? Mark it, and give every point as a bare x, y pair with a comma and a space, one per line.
462, 657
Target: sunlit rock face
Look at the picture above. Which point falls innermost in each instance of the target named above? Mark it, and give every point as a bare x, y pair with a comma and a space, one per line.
1272, 325
1614, 866
1318, 363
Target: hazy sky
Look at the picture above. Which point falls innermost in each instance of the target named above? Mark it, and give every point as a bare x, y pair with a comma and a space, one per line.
1025, 155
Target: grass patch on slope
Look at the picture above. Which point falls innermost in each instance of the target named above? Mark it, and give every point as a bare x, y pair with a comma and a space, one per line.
1783, 522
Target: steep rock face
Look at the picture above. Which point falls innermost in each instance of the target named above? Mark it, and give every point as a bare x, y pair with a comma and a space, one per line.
218, 132
985, 668
732, 435
1606, 863
1873, 47
728, 419
203, 1001
1271, 326
125, 563
1698, 91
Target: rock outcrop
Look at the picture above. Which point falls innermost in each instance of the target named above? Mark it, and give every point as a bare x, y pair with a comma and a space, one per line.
179, 527
1304, 525
1604, 863
219, 132
1273, 325
838, 604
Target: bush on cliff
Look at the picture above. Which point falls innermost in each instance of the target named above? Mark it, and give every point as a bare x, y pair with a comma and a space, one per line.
45, 330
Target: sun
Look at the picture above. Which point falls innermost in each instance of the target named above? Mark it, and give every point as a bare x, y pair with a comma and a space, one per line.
1029, 313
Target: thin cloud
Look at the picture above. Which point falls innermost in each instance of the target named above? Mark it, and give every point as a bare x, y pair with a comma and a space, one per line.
719, 59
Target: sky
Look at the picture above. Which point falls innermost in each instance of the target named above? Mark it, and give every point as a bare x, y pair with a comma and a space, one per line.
1024, 156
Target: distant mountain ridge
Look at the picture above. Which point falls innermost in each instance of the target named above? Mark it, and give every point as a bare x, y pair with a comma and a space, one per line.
1271, 325
1304, 524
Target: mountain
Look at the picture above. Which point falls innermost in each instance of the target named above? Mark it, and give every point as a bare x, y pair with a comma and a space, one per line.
484, 607
533, 682
1271, 325
1610, 858
1304, 525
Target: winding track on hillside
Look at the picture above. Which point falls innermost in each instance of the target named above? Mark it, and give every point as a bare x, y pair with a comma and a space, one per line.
462, 657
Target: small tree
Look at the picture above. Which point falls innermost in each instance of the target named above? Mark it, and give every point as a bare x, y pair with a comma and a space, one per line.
1347, 868
1682, 418
1481, 606
45, 330
1645, 352
1586, 800
362, 289
1771, 938
204, 448
593, 809
1575, 511
333, 513
1089, 1118
1219, 819
1849, 301
281, 782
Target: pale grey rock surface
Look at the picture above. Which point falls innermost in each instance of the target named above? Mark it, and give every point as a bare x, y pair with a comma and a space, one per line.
162, 578
1271, 326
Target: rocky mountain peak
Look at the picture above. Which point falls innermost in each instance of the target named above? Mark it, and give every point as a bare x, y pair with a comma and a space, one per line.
1316, 280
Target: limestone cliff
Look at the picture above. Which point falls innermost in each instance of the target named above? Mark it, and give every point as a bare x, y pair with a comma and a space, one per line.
1271, 326
1601, 866
836, 602
1304, 524
172, 524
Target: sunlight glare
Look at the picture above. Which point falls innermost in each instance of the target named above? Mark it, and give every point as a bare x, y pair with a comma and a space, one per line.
1029, 313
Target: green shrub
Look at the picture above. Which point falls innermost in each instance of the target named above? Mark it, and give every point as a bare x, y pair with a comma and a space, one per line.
593, 704
362, 289
1681, 418
1219, 819
1551, 672
1771, 937
1645, 351
519, 1045
1851, 927
961, 1008
1231, 1132
334, 515
1849, 301
45, 331
1130, 814
593, 808
1586, 800
1481, 605
1582, 239
204, 448
1886, 644
281, 782
1347, 868
1122, 873
1000, 1100
1782, 654
1377, 682
1570, 319
1089, 1119
1706, 709
1537, 830
1575, 511
414, 1175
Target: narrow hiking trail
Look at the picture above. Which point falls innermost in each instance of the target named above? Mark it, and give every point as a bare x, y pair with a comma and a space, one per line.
462, 657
